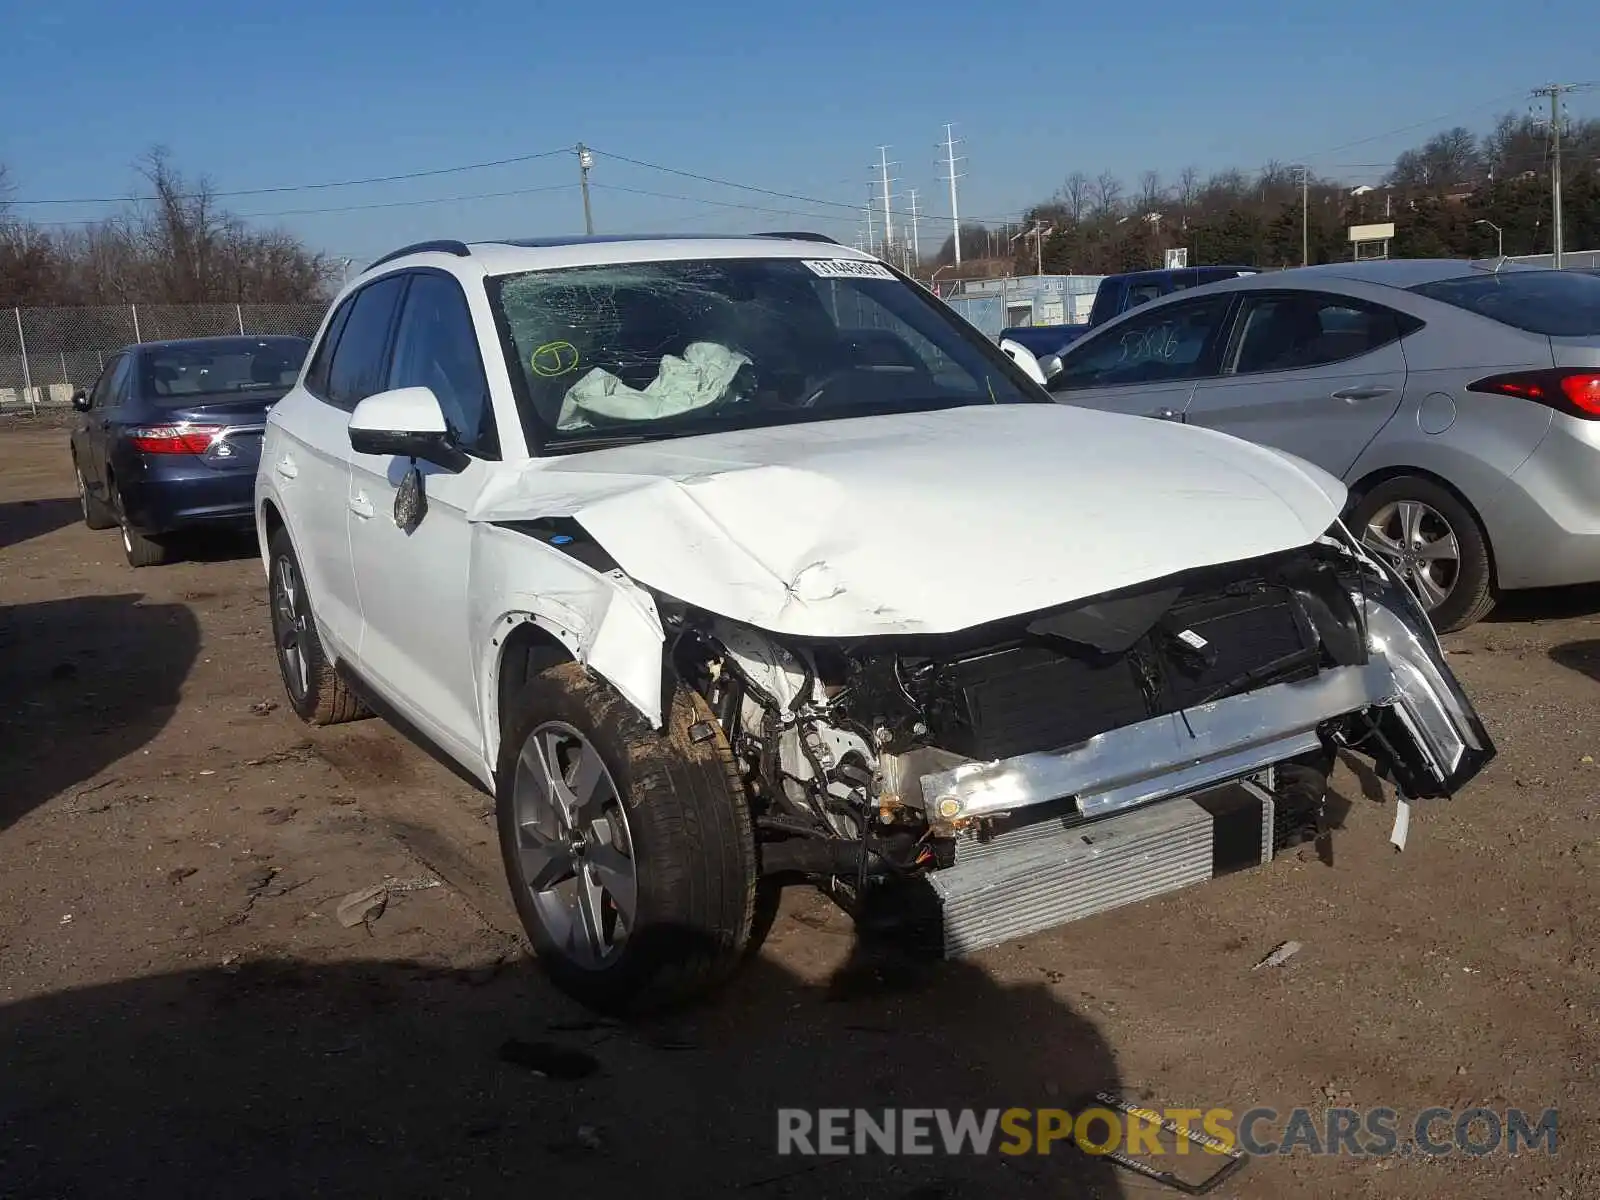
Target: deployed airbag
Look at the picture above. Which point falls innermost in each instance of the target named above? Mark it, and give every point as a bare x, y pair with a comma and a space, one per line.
699, 378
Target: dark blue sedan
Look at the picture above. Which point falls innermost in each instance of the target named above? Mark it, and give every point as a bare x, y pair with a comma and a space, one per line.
169, 436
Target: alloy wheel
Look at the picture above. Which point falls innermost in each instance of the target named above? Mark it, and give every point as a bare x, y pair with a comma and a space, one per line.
574, 846
290, 627
1414, 539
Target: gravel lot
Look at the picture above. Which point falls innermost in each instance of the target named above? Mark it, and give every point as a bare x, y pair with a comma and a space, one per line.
181, 1012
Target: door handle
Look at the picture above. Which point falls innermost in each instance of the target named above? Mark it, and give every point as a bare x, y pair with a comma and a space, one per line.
1368, 392
285, 467
361, 506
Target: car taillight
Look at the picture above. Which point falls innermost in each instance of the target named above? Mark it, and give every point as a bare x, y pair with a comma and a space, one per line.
1576, 392
173, 439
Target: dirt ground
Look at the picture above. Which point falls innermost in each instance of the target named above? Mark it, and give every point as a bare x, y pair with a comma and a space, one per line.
181, 1013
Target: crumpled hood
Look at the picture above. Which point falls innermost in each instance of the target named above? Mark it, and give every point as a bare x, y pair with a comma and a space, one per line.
926, 522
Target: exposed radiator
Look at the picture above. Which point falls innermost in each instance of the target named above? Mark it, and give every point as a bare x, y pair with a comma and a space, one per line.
1057, 870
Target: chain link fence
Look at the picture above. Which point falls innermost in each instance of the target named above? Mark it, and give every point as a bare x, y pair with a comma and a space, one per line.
48, 353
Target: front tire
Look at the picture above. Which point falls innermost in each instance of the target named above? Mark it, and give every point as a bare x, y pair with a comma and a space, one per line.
629, 851
316, 693
1435, 544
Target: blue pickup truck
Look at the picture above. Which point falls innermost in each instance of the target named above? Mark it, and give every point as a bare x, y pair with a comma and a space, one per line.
1116, 295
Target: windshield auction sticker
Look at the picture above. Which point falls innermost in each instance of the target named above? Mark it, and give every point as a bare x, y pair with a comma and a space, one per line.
848, 268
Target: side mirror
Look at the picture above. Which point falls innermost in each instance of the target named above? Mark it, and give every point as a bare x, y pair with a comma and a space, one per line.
1024, 358
1050, 364
80, 400
407, 423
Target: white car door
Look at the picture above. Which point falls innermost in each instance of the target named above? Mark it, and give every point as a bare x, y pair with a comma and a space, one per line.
415, 642
1147, 364
308, 453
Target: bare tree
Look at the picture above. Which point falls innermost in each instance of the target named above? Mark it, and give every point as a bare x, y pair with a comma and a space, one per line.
1075, 196
1225, 189
1151, 194
1516, 145
181, 247
1106, 195
1188, 188
1446, 160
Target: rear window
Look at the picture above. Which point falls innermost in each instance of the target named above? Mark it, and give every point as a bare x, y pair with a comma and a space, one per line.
1554, 303
174, 375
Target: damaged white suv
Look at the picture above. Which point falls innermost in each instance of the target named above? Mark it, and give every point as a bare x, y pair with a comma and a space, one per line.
727, 562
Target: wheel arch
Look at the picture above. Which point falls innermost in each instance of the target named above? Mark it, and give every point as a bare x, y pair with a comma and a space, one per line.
268, 522
534, 606
1372, 479
530, 646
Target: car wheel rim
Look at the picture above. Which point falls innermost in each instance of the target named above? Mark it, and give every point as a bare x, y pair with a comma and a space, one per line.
127, 539
83, 495
291, 626
574, 846
1420, 545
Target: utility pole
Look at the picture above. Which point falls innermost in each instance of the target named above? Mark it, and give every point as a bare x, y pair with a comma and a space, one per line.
888, 208
916, 246
1555, 91
950, 161
869, 218
585, 161
1305, 216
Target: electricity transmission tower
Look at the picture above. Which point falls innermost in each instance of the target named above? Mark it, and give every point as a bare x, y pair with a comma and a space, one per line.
950, 161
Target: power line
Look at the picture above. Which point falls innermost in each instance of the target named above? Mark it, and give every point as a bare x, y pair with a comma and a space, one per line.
781, 212
746, 187
300, 212
1449, 116
853, 209
308, 187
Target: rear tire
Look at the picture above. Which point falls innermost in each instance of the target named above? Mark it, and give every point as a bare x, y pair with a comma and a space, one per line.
677, 834
1438, 522
142, 551
97, 513
316, 693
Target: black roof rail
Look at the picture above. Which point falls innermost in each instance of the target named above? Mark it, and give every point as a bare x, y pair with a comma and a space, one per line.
802, 237
443, 246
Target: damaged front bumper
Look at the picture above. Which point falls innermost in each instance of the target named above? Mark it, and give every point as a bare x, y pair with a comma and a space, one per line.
1403, 706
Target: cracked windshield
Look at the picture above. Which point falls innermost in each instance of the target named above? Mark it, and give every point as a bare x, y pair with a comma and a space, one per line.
655, 348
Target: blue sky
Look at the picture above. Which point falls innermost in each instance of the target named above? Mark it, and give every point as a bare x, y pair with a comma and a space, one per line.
794, 98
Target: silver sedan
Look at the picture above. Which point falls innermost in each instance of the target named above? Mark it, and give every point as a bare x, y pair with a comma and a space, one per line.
1459, 403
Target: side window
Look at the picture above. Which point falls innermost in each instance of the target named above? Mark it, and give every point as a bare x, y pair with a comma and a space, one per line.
1143, 293
877, 340
101, 395
1177, 341
436, 347
317, 374
1293, 331
360, 360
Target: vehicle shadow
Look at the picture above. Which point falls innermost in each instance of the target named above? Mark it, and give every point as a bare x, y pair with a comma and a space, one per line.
84, 682
1581, 656
396, 1078
1546, 604
24, 520
213, 545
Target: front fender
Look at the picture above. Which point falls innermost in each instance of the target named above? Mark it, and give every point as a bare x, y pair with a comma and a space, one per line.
605, 620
